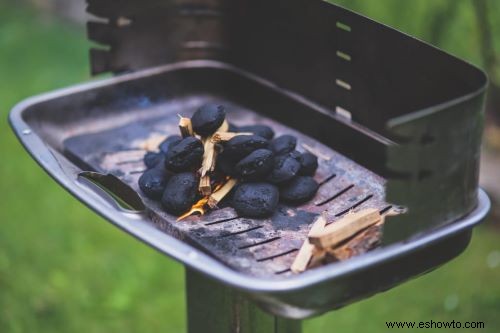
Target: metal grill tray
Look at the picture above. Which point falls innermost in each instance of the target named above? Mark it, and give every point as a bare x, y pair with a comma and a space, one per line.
261, 247
106, 126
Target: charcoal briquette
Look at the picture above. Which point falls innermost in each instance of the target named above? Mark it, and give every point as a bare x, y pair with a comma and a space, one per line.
152, 159
285, 168
186, 155
255, 199
168, 142
296, 155
255, 166
208, 118
309, 164
299, 190
153, 182
261, 130
283, 144
180, 193
225, 165
242, 145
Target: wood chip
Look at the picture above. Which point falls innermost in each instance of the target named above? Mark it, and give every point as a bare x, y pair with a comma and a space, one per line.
218, 195
210, 153
226, 136
316, 152
209, 156
185, 127
363, 242
306, 251
318, 257
224, 127
345, 228
204, 187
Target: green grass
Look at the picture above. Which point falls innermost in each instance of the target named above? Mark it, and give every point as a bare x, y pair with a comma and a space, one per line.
64, 269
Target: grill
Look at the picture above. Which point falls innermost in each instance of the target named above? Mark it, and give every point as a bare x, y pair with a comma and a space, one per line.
395, 122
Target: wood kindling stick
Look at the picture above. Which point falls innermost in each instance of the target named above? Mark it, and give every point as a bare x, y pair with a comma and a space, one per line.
205, 188
209, 156
360, 243
185, 127
316, 152
345, 228
208, 162
224, 127
226, 136
306, 251
318, 257
363, 241
218, 195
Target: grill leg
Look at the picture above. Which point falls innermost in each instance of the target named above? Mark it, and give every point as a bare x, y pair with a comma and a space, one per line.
215, 308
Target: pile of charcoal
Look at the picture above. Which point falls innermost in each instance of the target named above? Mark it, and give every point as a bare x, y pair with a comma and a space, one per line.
215, 164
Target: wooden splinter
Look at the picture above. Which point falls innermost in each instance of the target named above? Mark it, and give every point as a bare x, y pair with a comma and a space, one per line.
218, 195
205, 188
185, 127
316, 152
209, 156
224, 127
364, 241
359, 244
226, 136
345, 228
208, 162
306, 251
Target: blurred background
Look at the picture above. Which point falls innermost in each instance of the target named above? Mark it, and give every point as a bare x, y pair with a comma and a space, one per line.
62, 269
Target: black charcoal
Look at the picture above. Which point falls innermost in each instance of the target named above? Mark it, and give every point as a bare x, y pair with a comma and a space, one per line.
283, 144
255, 199
180, 193
152, 159
168, 142
285, 168
299, 190
208, 118
296, 155
309, 164
225, 165
242, 145
186, 155
256, 166
153, 182
261, 130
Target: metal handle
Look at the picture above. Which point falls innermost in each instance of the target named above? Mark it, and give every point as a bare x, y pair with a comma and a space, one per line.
113, 190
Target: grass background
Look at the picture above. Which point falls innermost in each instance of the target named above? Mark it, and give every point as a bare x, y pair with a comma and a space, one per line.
63, 269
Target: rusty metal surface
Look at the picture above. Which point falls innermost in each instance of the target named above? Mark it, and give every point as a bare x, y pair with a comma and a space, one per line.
261, 247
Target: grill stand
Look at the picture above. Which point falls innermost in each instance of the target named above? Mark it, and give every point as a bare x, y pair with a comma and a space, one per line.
215, 308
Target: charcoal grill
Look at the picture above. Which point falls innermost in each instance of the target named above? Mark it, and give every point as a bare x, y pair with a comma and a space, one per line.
396, 122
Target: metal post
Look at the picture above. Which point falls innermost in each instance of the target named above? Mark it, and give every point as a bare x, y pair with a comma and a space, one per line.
215, 308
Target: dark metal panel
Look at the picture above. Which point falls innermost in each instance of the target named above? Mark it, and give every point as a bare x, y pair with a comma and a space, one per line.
435, 170
141, 34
